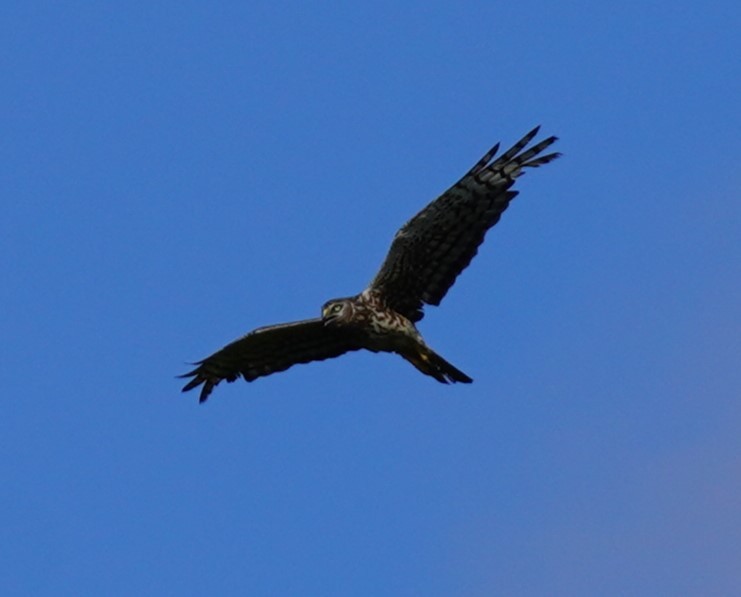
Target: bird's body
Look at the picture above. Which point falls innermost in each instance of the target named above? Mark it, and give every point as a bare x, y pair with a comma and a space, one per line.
426, 256
381, 329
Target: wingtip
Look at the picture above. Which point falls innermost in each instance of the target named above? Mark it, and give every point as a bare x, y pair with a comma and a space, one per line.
206, 390
204, 394
529, 137
548, 158
193, 383
197, 380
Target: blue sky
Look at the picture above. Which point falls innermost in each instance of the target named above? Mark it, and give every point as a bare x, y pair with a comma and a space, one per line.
175, 174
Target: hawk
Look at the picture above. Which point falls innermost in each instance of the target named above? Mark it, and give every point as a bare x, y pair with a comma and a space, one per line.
426, 256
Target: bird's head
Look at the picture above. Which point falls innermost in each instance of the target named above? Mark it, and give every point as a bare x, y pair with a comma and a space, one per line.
337, 311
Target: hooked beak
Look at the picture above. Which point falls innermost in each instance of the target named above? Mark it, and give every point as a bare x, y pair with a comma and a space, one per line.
328, 317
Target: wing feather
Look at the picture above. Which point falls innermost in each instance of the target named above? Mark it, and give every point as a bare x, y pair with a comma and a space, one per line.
268, 350
435, 246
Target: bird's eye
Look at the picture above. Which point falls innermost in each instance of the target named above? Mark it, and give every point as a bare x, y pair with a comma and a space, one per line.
336, 308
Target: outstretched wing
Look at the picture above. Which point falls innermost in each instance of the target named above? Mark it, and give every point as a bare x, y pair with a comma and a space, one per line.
437, 244
269, 350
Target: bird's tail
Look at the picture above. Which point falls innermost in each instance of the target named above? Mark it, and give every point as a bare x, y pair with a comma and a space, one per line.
432, 364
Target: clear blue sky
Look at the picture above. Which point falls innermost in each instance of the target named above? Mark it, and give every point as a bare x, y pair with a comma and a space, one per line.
175, 174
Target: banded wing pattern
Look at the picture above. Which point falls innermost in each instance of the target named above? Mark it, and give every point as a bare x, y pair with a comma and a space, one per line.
268, 350
435, 246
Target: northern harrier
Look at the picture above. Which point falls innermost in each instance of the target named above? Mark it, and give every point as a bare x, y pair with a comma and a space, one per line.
426, 256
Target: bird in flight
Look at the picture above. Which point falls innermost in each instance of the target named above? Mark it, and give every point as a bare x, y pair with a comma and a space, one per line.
426, 256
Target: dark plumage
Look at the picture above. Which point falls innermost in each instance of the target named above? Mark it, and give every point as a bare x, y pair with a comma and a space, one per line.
426, 256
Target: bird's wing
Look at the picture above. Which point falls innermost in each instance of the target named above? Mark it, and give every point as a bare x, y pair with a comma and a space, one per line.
268, 350
437, 244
